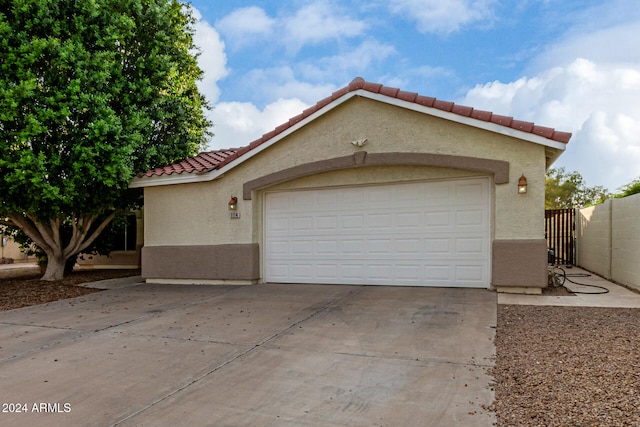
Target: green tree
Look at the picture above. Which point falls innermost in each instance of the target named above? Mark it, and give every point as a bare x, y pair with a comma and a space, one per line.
630, 189
564, 190
91, 92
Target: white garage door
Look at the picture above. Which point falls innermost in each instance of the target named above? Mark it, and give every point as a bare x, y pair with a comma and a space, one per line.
420, 234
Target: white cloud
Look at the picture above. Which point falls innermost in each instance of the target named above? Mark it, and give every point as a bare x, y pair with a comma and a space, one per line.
598, 102
245, 25
240, 123
212, 59
349, 64
616, 44
314, 23
319, 22
281, 82
444, 17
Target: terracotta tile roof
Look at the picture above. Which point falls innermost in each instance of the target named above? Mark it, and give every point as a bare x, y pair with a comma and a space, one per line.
201, 163
216, 159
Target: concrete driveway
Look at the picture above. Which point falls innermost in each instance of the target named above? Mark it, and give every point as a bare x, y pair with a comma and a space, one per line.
266, 355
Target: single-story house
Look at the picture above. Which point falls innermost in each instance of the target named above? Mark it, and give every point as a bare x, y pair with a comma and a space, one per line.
372, 185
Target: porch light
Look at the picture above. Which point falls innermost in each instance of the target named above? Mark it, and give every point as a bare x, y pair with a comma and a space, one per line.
522, 185
233, 203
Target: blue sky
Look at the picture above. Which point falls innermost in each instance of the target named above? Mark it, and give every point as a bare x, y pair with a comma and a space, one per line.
571, 65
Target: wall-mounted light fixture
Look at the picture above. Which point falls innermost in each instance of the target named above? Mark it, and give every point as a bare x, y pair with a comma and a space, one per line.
522, 185
233, 203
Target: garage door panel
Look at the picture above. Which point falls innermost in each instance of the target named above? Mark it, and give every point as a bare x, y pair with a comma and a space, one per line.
379, 246
380, 221
352, 272
325, 200
279, 203
302, 272
303, 247
378, 196
471, 193
427, 233
278, 272
409, 272
438, 273
326, 273
379, 271
278, 225
302, 223
410, 221
469, 274
408, 247
278, 248
470, 245
352, 247
470, 218
438, 220
437, 246
326, 247
353, 222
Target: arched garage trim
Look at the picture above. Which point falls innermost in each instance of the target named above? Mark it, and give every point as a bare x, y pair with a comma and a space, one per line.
499, 168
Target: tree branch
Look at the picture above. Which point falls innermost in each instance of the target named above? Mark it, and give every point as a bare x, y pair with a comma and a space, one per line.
54, 223
97, 231
78, 244
9, 223
45, 233
27, 226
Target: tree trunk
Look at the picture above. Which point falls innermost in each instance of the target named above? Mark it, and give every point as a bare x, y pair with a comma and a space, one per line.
48, 237
55, 269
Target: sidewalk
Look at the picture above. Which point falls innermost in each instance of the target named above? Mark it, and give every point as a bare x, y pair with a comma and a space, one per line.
618, 296
12, 271
18, 265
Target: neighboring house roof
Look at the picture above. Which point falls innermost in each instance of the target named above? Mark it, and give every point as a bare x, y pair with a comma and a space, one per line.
220, 160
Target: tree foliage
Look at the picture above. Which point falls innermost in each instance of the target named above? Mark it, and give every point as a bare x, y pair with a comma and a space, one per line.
630, 189
91, 92
565, 190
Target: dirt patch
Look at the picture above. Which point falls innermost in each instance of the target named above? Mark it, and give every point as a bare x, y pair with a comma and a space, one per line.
567, 366
27, 289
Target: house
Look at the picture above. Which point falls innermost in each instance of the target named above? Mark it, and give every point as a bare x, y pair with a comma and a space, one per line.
371, 185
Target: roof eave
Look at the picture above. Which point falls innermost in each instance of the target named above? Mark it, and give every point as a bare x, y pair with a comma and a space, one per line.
174, 178
152, 181
470, 121
210, 175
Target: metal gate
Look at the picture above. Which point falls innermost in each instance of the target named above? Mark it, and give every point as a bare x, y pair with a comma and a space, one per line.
559, 230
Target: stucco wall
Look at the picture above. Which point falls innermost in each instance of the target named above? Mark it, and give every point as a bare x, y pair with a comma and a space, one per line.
608, 240
197, 214
625, 237
593, 238
129, 259
12, 250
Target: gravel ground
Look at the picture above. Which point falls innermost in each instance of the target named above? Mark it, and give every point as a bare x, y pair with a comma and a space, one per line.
567, 366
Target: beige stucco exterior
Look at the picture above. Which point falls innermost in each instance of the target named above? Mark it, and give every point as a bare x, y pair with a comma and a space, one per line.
196, 214
120, 259
10, 250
